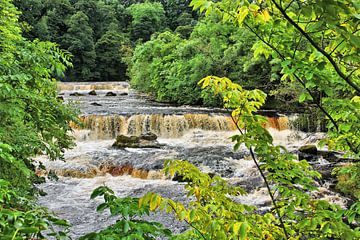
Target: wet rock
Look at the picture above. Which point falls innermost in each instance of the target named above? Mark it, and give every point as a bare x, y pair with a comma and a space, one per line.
92, 93
148, 136
95, 104
123, 141
60, 98
325, 170
123, 94
76, 94
308, 149
110, 94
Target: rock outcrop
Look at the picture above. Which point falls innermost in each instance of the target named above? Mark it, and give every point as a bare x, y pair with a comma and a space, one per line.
76, 94
110, 94
147, 140
92, 93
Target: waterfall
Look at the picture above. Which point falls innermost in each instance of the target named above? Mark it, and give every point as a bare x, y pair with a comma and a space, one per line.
88, 86
166, 126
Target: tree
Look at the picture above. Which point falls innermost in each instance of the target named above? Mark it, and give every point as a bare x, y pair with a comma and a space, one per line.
111, 48
174, 65
147, 18
100, 15
317, 47
79, 41
185, 24
52, 24
32, 120
32, 11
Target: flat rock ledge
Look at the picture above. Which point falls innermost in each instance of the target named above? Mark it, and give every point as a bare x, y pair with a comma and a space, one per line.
146, 140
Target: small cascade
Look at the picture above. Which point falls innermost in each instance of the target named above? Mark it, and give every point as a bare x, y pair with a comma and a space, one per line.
307, 122
88, 86
198, 134
279, 123
166, 126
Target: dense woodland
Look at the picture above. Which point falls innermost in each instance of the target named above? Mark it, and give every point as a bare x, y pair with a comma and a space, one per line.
122, 40
185, 52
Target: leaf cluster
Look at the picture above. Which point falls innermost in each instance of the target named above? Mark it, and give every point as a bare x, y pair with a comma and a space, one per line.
129, 225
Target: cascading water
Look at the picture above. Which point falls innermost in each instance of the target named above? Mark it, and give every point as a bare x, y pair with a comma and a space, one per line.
199, 135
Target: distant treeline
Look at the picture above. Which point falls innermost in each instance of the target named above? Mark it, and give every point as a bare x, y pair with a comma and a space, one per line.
101, 34
162, 46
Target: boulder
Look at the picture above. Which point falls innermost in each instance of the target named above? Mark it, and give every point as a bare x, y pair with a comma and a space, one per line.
123, 94
110, 94
123, 141
76, 94
92, 92
148, 136
95, 104
308, 149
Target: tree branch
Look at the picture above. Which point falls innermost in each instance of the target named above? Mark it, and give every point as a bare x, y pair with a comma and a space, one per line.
317, 47
264, 178
352, 148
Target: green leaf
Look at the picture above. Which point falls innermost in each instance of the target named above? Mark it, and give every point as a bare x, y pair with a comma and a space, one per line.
126, 226
242, 13
102, 207
243, 230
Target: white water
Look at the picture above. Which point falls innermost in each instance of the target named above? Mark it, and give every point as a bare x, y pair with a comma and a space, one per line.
137, 171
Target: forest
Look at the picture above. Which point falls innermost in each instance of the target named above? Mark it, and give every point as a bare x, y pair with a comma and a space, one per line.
286, 56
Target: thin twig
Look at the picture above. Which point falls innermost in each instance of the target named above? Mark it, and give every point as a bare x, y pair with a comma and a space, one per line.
265, 180
202, 235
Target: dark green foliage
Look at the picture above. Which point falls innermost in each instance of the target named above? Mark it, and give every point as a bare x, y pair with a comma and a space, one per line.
21, 219
52, 24
32, 120
129, 226
64, 22
79, 41
147, 18
111, 48
170, 66
100, 15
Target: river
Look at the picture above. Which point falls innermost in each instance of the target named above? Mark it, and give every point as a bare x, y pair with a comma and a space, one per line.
197, 134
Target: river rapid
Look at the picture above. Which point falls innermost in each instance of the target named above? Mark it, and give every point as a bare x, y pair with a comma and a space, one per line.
199, 135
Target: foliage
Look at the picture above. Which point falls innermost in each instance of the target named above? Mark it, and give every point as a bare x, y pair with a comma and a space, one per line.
214, 214
316, 47
111, 49
129, 226
12, 169
21, 219
79, 41
100, 15
175, 64
147, 18
348, 178
32, 119
64, 22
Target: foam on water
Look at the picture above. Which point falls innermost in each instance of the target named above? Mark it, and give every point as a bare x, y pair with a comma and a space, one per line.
200, 135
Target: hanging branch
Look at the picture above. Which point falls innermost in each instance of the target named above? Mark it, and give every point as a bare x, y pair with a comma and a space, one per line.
317, 47
264, 178
322, 109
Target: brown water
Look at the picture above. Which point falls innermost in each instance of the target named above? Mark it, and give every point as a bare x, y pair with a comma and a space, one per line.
199, 135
